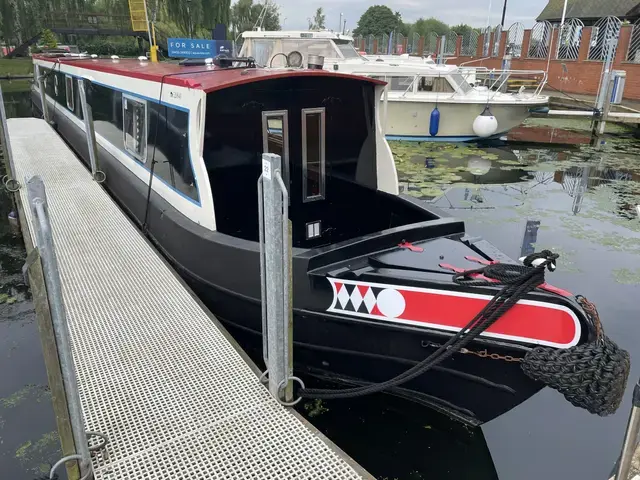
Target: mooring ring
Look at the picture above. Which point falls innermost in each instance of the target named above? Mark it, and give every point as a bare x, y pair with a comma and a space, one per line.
64, 460
14, 182
102, 444
100, 176
5, 178
282, 384
264, 377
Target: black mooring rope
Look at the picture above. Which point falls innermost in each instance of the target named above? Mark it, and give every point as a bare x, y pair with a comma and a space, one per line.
515, 288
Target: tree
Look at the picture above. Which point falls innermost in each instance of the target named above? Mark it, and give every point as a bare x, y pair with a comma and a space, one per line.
245, 14
49, 38
377, 20
317, 22
425, 26
464, 29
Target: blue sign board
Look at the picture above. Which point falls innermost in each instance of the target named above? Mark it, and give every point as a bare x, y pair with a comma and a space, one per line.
198, 48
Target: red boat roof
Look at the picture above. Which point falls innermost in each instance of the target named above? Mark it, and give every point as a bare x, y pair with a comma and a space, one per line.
207, 78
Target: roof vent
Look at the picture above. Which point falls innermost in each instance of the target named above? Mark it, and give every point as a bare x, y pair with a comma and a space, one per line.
315, 62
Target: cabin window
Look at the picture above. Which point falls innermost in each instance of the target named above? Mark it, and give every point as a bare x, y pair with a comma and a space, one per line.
400, 84
435, 84
275, 138
69, 91
316, 46
134, 126
313, 154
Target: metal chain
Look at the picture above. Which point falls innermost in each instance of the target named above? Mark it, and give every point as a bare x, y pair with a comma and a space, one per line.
492, 356
481, 353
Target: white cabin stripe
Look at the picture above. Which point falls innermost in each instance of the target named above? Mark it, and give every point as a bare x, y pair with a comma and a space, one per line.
182, 98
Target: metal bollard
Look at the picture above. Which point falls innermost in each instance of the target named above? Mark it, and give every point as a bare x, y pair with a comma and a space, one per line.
275, 275
87, 115
43, 94
44, 242
630, 438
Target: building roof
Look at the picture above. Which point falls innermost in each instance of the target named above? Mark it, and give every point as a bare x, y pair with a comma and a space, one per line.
587, 9
207, 78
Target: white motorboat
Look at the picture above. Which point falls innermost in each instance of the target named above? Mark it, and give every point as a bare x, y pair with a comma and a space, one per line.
424, 101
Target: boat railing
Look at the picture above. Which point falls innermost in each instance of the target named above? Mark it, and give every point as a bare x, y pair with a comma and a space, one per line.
506, 81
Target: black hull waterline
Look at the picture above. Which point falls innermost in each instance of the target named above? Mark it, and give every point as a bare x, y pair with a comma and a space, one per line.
358, 348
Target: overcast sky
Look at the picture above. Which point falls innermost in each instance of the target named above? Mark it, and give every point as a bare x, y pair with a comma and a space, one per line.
472, 12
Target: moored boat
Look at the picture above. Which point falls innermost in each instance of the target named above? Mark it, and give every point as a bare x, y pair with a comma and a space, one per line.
373, 291
417, 87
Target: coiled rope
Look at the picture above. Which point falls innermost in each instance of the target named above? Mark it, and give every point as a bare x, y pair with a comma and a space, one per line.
517, 282
592, 376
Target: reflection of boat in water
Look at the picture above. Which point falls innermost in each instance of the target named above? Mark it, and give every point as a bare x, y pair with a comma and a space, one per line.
371, 294
415, 89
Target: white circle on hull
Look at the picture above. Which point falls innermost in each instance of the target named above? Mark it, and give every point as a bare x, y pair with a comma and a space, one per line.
391, 303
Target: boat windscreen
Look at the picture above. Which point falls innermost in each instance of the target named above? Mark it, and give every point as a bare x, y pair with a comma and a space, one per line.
347, 49
459, 79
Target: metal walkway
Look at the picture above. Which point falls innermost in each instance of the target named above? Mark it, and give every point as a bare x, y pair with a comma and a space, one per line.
155, 372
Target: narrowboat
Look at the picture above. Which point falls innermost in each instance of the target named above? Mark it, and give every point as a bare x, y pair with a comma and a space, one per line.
373, 293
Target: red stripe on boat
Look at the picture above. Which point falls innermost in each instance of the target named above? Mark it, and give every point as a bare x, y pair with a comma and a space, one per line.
529, 321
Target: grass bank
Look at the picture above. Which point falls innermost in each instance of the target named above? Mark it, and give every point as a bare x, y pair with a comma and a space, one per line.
15, 66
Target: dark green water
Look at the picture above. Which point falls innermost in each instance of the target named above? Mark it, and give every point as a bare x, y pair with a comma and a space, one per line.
576, 200
28, 435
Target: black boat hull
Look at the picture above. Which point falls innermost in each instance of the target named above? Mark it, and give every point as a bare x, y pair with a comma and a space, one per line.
471, 389
224, 272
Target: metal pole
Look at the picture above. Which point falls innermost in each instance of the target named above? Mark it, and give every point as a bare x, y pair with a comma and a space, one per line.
276, 279
6, 142
340, 23
43, 94
564, 13
606, 73
87, 115
443, 41
602, 124
44, 241
504, 12
489, 15
633, 428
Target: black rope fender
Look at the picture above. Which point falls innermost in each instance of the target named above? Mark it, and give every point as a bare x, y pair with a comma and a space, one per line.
592, 376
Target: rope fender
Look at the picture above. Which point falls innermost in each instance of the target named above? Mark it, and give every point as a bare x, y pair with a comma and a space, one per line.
592, 376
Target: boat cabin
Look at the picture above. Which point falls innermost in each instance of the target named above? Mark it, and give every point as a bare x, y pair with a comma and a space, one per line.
263, 46
196, 134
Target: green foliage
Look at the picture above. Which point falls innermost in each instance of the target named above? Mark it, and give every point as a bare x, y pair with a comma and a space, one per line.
23, 19
16, 66
49, 38
464, 29
317, 22
425, 26
245, 14
378, 20
123, 47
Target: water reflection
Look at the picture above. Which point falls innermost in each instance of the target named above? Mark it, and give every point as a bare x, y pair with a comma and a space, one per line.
464, 177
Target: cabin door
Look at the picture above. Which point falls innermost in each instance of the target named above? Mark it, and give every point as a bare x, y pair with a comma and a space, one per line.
299, 138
